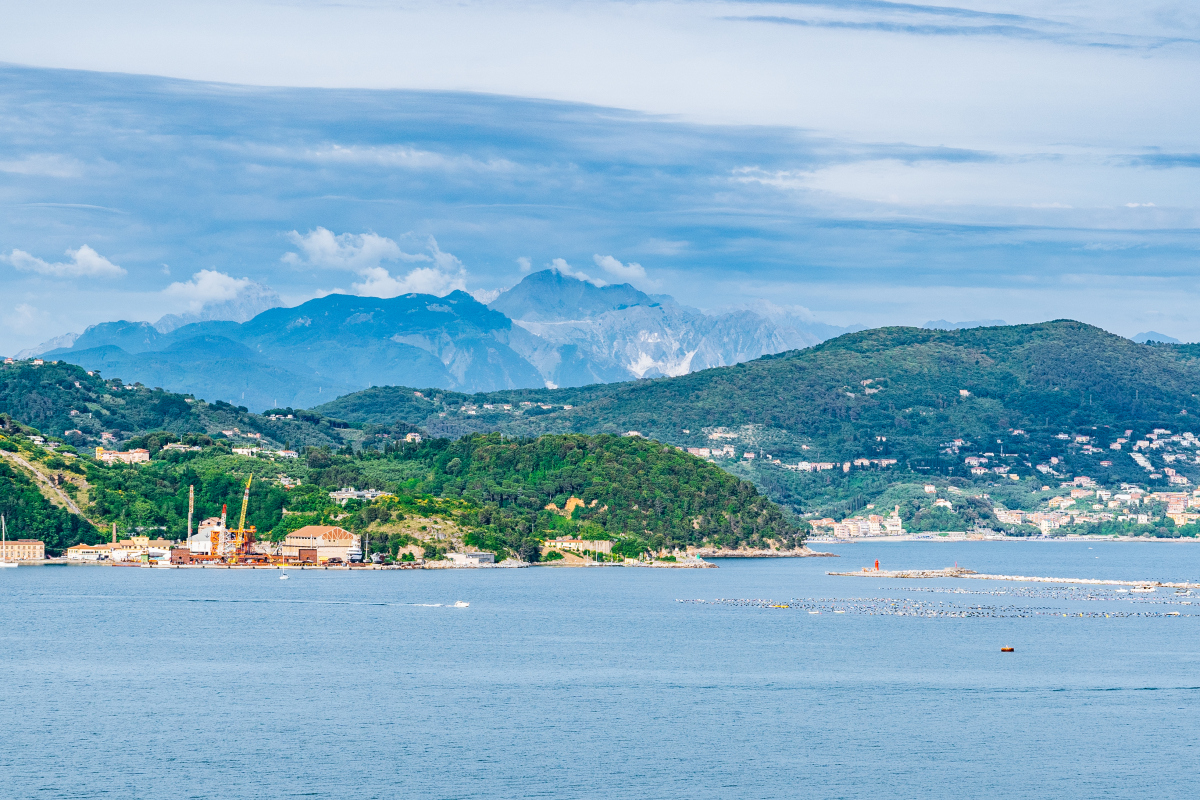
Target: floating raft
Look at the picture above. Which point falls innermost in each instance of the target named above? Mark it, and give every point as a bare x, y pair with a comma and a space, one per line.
959, 572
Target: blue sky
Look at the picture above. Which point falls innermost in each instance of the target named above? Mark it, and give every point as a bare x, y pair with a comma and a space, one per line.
877, 163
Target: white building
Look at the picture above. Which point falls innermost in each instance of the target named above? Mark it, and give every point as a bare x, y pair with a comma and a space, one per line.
350, 493
472, 559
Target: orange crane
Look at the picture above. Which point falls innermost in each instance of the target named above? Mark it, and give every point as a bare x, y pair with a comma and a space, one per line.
232, 543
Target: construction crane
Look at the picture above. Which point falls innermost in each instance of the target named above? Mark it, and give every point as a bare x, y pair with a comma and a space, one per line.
232, 543
245, 504
242, 537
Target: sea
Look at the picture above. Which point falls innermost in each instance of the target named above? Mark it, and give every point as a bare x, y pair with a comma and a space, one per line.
765, 678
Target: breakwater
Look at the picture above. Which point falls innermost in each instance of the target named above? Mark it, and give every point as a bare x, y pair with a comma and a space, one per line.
959, 572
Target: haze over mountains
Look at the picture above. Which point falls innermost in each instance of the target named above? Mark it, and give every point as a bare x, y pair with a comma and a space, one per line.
551, 330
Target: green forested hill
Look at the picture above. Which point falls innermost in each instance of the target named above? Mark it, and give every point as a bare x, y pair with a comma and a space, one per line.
905, 384
1023, 392
637, 493
58, 397
29, 515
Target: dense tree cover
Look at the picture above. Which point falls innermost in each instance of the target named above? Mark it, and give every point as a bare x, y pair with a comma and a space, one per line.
638, 493
153, 497
29, 515
631, 488
884, 393
45, 396
842, 396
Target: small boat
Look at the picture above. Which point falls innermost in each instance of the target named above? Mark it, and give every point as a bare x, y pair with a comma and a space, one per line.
4, 562
1142, 589
283, 576
1006, 650
460, 604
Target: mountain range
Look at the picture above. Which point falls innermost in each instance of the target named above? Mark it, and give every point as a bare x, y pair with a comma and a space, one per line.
551, 330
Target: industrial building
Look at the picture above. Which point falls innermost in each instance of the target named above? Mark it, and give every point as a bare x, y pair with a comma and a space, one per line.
321, 544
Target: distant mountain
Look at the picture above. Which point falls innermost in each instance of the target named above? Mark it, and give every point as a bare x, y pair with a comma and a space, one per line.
323, 348
66, 340
549, 330
252, 299
135, 337
585, 334
1154, 336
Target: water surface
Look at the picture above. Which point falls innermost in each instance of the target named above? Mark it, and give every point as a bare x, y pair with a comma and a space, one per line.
584, 683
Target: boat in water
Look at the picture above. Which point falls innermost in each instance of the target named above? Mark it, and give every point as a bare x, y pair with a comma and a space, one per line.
4, 562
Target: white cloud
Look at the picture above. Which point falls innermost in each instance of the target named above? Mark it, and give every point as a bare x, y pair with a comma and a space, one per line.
85, 263
207, 286
364, 254
524, 263
24, 317
349, 251
629, 272
423, 280
406, 158
561, 265
53, 166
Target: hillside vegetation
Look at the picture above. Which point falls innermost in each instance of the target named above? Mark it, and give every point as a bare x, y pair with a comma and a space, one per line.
890, 393
65, 400
482, 491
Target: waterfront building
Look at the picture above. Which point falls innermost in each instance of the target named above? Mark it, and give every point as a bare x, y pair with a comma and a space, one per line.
472, 559
581, 545
24, 550
319, 544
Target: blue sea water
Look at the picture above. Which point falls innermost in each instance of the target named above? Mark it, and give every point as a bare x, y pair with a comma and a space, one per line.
598, 683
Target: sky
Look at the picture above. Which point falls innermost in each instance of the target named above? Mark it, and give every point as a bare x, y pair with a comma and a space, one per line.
873, 162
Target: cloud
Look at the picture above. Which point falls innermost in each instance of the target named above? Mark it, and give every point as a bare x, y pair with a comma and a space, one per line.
524, 263
24, 317
406, 158
560, 265
364, 253
349, 251
631, 271
85, 263
207, 286
52, 166
423, 280
665, 247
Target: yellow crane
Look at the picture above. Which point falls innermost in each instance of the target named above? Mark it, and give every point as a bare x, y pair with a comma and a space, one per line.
231, 543
245, 504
